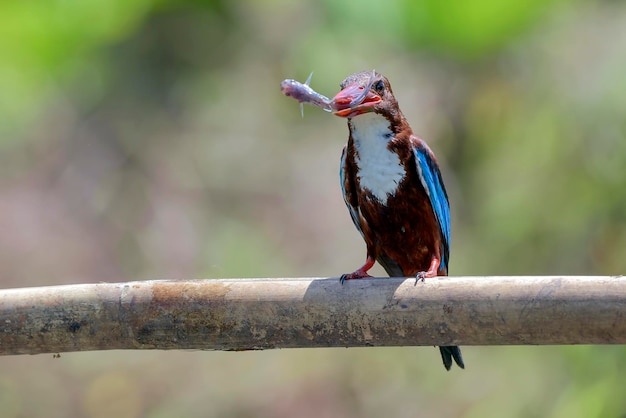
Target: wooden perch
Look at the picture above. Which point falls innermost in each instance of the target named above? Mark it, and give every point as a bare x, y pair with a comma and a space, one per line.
250, 314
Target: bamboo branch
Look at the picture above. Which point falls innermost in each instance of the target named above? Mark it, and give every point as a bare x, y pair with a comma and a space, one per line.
250, 314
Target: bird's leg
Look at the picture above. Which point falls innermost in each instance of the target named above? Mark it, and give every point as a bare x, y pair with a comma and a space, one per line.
432, 270
360, 273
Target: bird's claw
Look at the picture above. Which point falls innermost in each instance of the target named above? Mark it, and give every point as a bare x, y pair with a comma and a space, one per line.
355, 275
432, 271
421, 277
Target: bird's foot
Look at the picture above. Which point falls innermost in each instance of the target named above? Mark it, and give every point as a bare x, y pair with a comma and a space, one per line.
422, 275
359, 274
432, 271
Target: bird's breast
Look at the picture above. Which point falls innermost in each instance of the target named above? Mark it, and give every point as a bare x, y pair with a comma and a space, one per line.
379, 169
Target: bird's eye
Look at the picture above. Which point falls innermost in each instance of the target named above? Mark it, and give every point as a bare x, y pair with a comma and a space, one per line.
379, 86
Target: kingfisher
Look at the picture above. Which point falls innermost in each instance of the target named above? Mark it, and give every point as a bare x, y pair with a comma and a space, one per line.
392, 186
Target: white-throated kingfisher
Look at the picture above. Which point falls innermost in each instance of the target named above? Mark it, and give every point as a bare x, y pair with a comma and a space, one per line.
392, 187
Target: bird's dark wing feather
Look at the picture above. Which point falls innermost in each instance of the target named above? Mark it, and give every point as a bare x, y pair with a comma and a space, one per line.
354, 211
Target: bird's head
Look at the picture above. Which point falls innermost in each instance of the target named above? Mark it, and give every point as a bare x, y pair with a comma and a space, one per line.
365, 92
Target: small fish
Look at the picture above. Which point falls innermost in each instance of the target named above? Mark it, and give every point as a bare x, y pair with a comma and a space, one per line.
305, 94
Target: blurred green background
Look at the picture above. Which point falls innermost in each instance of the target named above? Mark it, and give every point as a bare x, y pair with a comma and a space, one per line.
143, 140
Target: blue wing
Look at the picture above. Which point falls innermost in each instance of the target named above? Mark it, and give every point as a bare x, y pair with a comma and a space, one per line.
430, 176
354, 212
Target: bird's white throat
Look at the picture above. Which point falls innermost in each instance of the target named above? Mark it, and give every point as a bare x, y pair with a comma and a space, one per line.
379, 169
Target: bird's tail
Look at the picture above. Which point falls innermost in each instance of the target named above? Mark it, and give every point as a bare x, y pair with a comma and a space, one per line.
451, 352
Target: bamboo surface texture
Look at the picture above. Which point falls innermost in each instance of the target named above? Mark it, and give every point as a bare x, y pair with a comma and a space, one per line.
256, 314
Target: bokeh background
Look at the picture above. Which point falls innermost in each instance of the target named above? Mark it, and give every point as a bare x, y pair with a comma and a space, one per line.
149, 139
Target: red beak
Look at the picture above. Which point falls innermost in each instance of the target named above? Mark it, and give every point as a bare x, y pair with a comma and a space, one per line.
351, 101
